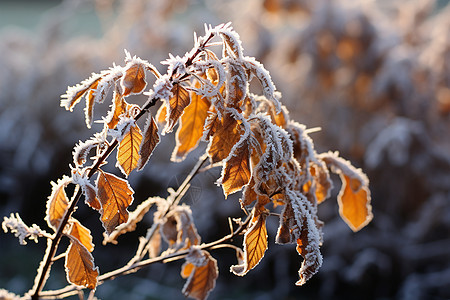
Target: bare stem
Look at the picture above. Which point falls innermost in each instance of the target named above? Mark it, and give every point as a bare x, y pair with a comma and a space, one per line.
128, 269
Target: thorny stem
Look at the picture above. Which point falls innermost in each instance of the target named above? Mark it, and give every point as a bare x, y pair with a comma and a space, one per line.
128, 269
43, 272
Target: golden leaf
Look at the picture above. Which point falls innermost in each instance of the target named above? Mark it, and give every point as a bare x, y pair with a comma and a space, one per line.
354, 196
255, 245
202, 278
227, 134
177, 104
236, 171
190, 130
161, 115
82, 234
128, 152
149, 142
133, 81
57, 203
79, 265
115, 195
354, 203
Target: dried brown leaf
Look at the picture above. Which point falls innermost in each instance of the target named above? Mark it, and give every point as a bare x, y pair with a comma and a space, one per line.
133, 80
190, 130
79, 265
115, 195
57, 203
236, 172
227, 133
149, 142
177, 104
128, 152
202, 276
255, 245
82, 234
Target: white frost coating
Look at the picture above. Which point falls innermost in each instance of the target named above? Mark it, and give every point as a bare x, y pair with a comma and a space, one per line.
137, 60
15, 224
122, 128
71, 92
81, 150
162, 89
339, 165
208, 89
308, 153
105, 84
176, 65
231, 40
313, 258
263, 75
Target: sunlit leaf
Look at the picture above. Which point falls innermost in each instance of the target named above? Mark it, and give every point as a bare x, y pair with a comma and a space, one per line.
79, 265
57, 203
255, 245
202, 276
236, 171
128, 152
133, 81
190, 130
149, 142
177, 104
82, 234
354, 203
115, 195
227, 134
354, 196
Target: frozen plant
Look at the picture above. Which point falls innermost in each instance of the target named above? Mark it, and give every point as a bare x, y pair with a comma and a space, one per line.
262, 152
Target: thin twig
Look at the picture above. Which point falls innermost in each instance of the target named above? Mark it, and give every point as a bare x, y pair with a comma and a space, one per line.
128, 269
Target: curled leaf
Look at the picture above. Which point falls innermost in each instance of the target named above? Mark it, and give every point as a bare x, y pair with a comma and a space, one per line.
201, 272
227, 134
57, 203
133, 80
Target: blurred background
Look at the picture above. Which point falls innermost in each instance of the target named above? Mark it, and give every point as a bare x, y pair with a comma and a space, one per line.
374, 75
